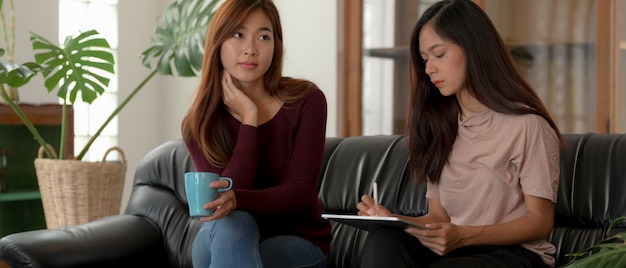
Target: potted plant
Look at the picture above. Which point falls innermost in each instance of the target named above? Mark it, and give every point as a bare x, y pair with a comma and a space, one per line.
81, 63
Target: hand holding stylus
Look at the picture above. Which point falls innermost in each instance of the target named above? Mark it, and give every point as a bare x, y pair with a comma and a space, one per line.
370, 205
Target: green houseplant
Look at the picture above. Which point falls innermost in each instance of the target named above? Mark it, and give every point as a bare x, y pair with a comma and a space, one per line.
177, 41
610, 252
80, 65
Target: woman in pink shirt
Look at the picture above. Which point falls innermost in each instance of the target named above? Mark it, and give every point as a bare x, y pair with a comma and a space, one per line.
484, 143
264, 131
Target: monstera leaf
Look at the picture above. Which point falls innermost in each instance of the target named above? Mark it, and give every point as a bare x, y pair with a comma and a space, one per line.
76, 66
610, 252
181, 37
16, 75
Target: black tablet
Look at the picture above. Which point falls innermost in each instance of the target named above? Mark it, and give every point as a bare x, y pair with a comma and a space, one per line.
370, 223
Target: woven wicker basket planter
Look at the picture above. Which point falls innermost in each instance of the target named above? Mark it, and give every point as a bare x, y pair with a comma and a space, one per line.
75, 192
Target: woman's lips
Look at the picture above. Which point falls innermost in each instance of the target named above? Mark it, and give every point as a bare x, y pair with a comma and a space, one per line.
248, 65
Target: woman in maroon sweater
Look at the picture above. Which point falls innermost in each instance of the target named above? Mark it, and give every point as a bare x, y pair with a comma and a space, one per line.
264, 131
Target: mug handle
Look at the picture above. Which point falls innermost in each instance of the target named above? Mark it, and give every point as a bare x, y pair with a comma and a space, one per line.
230, 184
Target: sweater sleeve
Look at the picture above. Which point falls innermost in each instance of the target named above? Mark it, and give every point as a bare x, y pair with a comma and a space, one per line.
244, 160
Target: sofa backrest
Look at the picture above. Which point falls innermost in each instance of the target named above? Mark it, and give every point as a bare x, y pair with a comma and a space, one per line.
592, 190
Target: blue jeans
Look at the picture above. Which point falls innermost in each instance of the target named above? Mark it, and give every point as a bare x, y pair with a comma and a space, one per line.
233, 241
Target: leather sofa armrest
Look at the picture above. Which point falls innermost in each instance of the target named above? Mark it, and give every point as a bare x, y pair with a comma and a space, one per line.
121, 239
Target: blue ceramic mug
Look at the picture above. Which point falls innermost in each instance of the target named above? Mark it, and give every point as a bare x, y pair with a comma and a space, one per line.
199, 193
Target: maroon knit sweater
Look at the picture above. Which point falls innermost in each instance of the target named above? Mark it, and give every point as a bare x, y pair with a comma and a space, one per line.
275, 168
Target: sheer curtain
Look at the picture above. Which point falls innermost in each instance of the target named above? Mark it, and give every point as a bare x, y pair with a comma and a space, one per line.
553, 43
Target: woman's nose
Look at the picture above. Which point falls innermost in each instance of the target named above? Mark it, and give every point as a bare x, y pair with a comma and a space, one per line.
250, 48
429, 68
250, 52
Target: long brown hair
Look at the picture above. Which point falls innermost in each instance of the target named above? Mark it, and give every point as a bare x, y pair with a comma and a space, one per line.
205, 121
492, 78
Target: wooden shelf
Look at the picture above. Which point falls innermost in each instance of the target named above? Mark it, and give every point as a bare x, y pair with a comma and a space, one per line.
39, 114
42, 115
400, 52
21, 208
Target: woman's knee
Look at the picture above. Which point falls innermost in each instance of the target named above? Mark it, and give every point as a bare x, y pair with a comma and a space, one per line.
238, 219
238, 224
231, 240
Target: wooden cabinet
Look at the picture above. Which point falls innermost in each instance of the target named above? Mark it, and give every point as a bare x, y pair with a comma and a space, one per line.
20, 206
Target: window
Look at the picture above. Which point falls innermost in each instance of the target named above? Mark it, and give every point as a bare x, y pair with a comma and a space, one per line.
101, 15
378, 31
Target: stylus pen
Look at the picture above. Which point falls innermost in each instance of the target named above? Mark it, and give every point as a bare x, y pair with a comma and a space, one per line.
375, 186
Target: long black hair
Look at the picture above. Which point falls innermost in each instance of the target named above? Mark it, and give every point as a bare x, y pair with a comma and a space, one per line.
491, 77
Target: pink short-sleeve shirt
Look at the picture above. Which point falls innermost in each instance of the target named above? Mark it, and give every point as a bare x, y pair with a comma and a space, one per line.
496, 160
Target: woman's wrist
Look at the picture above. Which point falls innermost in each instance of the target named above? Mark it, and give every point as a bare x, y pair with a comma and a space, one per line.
251, 119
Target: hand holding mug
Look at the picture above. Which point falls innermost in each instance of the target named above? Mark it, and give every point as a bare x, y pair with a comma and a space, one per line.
199, 192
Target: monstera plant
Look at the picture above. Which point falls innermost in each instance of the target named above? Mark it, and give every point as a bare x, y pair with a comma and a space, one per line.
81, 64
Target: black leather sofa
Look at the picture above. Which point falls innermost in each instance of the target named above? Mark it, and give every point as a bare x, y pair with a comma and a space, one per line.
155, 230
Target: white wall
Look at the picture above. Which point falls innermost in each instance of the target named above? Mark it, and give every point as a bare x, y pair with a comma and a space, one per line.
310, 37
154, 115
141, 122
47, 26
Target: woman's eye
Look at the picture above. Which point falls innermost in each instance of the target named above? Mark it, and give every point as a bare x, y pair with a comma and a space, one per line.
264, 37
238, 35
440, 55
